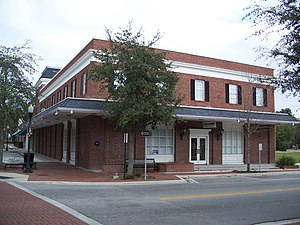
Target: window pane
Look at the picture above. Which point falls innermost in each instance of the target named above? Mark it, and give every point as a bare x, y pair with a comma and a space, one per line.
232, 142
259, 97
161, 142
233, 94
155, 141
199, 90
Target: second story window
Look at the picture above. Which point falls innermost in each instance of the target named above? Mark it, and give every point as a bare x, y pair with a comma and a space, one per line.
66, 91
233, 94
73, 89
200, 90
260, 97
53, 99
58, 96
83, 84
48, 102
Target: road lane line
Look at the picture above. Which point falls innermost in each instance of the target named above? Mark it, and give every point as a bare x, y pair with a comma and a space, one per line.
227, 194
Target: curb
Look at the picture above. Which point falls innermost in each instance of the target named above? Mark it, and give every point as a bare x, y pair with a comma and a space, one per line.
182, 178
282, 222
236, 174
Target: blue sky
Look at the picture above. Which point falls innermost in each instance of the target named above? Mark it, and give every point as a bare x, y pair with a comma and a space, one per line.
59, 29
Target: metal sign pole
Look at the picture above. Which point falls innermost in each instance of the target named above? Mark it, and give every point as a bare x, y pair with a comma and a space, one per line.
125, 141
145, 163
145, 133
260, 146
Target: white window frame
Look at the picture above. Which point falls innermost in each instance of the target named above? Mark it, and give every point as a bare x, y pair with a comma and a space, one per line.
199, 90
84, 89
233, 94
161, 138
66, 91
58, 96
259, 92
232, 142
73, 91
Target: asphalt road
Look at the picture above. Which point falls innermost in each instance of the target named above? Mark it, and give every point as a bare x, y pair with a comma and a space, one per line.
221, 200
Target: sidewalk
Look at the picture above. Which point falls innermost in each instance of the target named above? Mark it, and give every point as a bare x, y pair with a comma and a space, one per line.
19, 207
49, 169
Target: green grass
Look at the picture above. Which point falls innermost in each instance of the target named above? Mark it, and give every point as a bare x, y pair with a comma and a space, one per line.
295, 155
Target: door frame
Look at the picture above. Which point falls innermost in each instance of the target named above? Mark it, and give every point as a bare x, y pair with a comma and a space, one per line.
200, 133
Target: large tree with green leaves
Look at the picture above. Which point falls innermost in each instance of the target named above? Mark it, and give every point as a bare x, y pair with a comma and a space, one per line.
285, 133
282, 18
139, 81
16, 91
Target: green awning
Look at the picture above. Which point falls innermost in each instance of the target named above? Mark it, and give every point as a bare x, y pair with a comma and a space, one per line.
19, 133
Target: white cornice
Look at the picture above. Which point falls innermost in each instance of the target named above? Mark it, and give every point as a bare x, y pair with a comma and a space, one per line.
215, 72
81, 63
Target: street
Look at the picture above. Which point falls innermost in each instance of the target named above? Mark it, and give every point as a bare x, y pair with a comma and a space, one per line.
205, 200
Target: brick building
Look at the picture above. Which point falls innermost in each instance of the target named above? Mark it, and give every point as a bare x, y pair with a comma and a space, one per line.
218, 98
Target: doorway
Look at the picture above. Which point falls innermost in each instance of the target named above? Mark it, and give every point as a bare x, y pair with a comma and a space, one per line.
199, 147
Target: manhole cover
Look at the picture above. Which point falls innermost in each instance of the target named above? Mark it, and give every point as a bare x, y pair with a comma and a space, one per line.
2, 177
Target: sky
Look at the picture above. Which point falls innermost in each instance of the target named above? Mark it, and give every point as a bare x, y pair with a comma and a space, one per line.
59, 29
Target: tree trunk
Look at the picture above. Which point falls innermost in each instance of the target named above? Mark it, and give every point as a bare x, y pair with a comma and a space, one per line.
248, 144
131, 150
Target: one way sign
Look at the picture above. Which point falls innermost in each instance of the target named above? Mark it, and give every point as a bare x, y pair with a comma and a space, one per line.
145, 133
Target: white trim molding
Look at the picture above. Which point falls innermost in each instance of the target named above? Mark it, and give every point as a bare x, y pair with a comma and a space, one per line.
81, 63
215, 72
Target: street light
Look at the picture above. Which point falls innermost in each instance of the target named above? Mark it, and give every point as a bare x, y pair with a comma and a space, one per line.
7, 138
27, 168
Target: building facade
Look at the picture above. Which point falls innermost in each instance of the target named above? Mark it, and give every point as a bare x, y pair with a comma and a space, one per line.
220, 98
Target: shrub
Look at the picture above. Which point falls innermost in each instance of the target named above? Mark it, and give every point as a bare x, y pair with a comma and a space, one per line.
285, 161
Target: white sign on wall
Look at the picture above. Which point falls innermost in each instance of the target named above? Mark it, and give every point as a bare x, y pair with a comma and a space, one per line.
209, 124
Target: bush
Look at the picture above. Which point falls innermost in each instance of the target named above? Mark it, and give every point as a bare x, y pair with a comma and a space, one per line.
285, 161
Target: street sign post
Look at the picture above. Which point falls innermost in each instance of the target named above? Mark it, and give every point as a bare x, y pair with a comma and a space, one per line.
145, 133
260, 148
125, 142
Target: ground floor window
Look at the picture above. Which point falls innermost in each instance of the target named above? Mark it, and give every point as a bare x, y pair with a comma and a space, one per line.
160, 142
232, 142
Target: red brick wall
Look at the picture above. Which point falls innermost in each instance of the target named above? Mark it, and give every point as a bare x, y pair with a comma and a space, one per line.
215, 146
59, 141
90, 130
52, 141
272, 143
181, 144
266, 136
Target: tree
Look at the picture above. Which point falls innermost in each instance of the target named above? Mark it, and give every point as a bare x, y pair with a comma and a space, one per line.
252, 123
139, 81
16, 91
285, 133
283, 19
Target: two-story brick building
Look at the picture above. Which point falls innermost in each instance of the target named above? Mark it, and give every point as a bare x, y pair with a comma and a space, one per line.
218, 98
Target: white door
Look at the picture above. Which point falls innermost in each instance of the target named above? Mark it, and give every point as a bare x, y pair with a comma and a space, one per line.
198, 150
